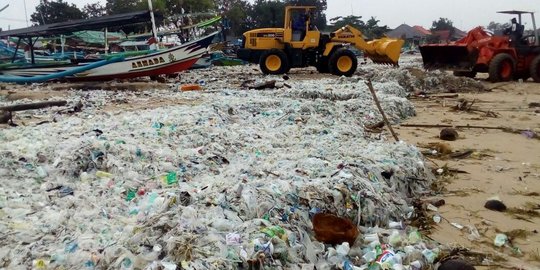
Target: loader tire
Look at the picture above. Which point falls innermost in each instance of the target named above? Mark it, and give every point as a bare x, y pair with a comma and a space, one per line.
343, 62
535, 69
274, 62
502, 68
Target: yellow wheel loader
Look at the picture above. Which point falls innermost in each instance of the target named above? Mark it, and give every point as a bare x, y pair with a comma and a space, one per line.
301, 44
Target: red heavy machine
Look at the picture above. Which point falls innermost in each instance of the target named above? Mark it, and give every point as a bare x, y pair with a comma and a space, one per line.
503, 57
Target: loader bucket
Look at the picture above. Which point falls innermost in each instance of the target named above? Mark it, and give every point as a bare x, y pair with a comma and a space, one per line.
454, 57
384, 50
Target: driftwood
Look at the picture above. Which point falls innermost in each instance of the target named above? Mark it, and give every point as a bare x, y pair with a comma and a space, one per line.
435, 96
533, 135
32, 106
263, 85
370, 86
456, 126
465, 105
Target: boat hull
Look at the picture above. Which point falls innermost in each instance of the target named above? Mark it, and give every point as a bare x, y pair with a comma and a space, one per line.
162, 62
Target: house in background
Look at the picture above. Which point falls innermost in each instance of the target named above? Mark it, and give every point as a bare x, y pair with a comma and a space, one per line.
413, 36
418, 35
445, 36
422, 30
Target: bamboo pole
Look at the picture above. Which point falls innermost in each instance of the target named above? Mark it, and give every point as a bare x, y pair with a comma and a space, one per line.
154, 28
370, 86
32, 106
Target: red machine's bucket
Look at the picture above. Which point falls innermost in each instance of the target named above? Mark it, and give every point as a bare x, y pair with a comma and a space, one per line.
452, 57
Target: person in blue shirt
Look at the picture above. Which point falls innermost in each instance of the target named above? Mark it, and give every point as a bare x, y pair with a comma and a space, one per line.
299, 26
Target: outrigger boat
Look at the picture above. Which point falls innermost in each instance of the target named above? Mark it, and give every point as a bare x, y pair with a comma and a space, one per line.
112, 66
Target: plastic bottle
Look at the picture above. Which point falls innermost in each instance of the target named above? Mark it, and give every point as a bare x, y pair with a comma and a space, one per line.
414, 237
395, 238
130, 195
102, 174
273, 231
416, 265
370, 255
500, 240
170, 178
395, 225
42, 173
430, 255
369, 238
71, 247
126, 264
343, 250
40, 264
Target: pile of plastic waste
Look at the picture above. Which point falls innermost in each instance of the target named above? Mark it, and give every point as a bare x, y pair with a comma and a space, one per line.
230, 179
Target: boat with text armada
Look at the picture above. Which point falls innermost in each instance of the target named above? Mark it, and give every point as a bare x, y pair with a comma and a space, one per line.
122, 65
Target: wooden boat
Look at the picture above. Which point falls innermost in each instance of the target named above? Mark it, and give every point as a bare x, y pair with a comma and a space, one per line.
154, 63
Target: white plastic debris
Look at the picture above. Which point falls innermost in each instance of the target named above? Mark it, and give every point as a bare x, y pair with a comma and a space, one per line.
158, 178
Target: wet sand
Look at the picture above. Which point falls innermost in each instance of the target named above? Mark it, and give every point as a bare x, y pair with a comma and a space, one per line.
503, 164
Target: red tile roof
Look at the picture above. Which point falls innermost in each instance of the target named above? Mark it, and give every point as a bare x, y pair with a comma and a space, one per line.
422, 30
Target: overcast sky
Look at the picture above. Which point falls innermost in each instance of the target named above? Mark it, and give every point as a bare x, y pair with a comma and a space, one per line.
466, 14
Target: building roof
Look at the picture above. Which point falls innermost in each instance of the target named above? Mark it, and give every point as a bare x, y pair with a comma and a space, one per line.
445, 34
405, 31
422, 30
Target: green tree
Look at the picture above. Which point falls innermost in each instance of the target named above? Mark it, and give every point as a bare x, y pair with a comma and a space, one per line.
48, 12
442, 24
497, 28
372, 29
352, 20
265, 13
198, 5
94, 10
235, 13
122, 6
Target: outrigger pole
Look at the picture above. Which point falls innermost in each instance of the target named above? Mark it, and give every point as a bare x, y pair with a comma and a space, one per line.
154, 29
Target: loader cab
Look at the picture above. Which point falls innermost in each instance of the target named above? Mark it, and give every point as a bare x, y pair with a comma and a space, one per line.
529, 40
299, 30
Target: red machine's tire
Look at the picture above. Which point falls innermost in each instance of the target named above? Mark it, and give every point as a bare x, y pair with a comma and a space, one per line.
502, 68
535, 69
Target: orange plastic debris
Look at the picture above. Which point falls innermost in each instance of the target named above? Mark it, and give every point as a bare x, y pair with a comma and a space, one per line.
330, 229
190, 87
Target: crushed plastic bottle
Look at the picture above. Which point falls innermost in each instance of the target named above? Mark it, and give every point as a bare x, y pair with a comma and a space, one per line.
71, 247
500, 240
130, 195
343, 250
430, 255
273, 231
395, 225
170, 179
40, 264
395, 238
414, 237
102, 174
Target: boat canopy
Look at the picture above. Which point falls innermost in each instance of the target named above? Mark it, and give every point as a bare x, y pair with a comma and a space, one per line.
80, 25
